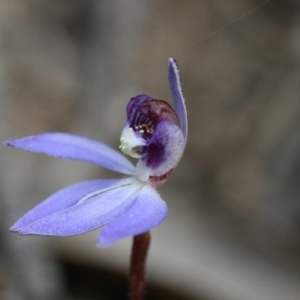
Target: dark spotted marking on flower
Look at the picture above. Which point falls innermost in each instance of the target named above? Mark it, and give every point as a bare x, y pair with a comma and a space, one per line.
144, 114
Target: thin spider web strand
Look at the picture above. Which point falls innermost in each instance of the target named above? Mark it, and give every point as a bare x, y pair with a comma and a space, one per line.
221, 28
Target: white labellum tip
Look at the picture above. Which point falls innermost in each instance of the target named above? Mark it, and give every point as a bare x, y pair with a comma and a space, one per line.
130, 140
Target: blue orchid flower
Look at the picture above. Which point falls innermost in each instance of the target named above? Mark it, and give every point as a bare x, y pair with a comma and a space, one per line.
154, 133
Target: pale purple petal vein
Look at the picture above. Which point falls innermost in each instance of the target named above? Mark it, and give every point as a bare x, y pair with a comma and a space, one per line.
87, 215
69, 146
147, 211
63, 199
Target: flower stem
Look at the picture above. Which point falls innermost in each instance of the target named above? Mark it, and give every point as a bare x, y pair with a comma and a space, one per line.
139, 252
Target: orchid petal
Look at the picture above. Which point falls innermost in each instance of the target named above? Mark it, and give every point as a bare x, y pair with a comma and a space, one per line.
178, 99
63, 199
147, 211
134, 104
63, 145
89, 214
163, 152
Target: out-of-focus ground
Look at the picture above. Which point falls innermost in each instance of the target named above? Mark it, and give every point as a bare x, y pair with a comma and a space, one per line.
233, 231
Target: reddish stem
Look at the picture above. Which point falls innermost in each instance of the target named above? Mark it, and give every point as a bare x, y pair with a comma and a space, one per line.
139, 252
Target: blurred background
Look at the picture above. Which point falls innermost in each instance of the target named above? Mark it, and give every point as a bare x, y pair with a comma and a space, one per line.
234, 200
